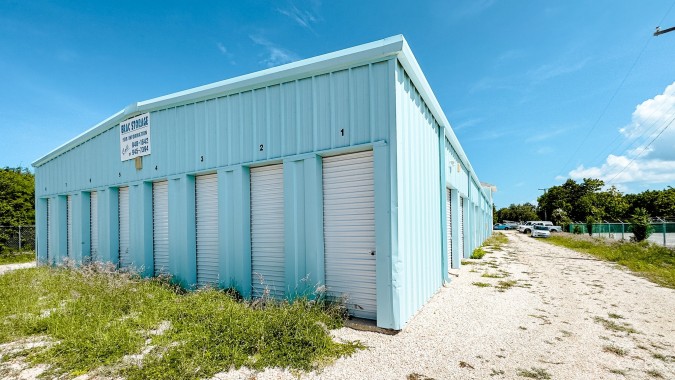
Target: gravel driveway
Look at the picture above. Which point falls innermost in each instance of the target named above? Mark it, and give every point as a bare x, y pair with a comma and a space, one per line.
8, 267
566, 316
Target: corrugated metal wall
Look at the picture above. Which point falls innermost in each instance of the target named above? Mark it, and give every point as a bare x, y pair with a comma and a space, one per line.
456, 174
338, 109
328, 113
419, 187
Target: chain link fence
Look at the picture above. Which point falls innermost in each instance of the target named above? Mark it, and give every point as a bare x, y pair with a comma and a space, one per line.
663, 232
17, 238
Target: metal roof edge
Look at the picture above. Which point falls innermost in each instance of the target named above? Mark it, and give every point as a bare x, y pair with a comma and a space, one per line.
84, 136
412, 67
389, 46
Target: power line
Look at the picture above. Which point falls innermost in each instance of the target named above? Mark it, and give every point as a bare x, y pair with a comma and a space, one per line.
642, 151
611, 99
604, 110
648, 131
667, 13
631, 141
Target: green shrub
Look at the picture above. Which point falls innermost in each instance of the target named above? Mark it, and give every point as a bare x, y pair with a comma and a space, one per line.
589, 225
640, 225
478, 253
577, 230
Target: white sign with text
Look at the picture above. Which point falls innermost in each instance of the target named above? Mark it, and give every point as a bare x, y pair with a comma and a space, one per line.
135, 137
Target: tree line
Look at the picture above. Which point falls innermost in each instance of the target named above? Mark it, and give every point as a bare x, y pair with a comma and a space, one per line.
586, 201
17, 200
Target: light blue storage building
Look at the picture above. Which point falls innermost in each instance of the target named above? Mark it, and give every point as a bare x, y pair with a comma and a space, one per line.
340, 170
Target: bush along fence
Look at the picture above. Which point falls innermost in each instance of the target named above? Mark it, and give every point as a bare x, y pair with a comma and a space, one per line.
17, 238
662, 231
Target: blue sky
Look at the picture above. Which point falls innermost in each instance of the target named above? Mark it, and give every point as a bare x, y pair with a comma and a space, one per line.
536, 91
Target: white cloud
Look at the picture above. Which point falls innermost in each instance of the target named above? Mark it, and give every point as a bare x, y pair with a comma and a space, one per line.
303, 17
649, 119
544, 150
276, 55
618, 170
222, 48
649, 146
553, 70
472, 8
541, 135
467, 123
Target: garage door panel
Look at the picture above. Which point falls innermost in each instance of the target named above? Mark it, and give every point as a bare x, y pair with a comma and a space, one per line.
461, 227
267, 230
50, 230
349, 231
69, 226
93, 225
206, 193
123, 213
160, 226
448, 225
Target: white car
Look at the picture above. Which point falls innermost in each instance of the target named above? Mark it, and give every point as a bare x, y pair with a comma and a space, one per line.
540, 231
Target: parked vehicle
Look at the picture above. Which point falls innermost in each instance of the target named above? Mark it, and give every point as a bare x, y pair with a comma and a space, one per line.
501, 226
554, 228
527, 227
512, 225
540, 231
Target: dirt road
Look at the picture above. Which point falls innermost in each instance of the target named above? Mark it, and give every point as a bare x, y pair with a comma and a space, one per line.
557, 314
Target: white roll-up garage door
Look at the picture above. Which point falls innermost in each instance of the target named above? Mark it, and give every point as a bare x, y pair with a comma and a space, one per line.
461, 227
349, 231
448, 225
267, 230
124, 258
93, 225
50, 230
69, 225
160, 227
206, 213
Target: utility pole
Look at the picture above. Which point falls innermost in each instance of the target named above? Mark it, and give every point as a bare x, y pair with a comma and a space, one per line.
658, 31
545, 190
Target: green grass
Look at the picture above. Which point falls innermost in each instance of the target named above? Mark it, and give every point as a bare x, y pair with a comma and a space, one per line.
613, 326
481, 284
617, 372
616, 350
496, 240
494, 275
478, 253
534, 373
95, 318
654, 262
12, 258
654, 373
506, 285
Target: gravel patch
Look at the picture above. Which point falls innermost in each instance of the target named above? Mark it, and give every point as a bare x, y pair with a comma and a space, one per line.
9, 267
565, 315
